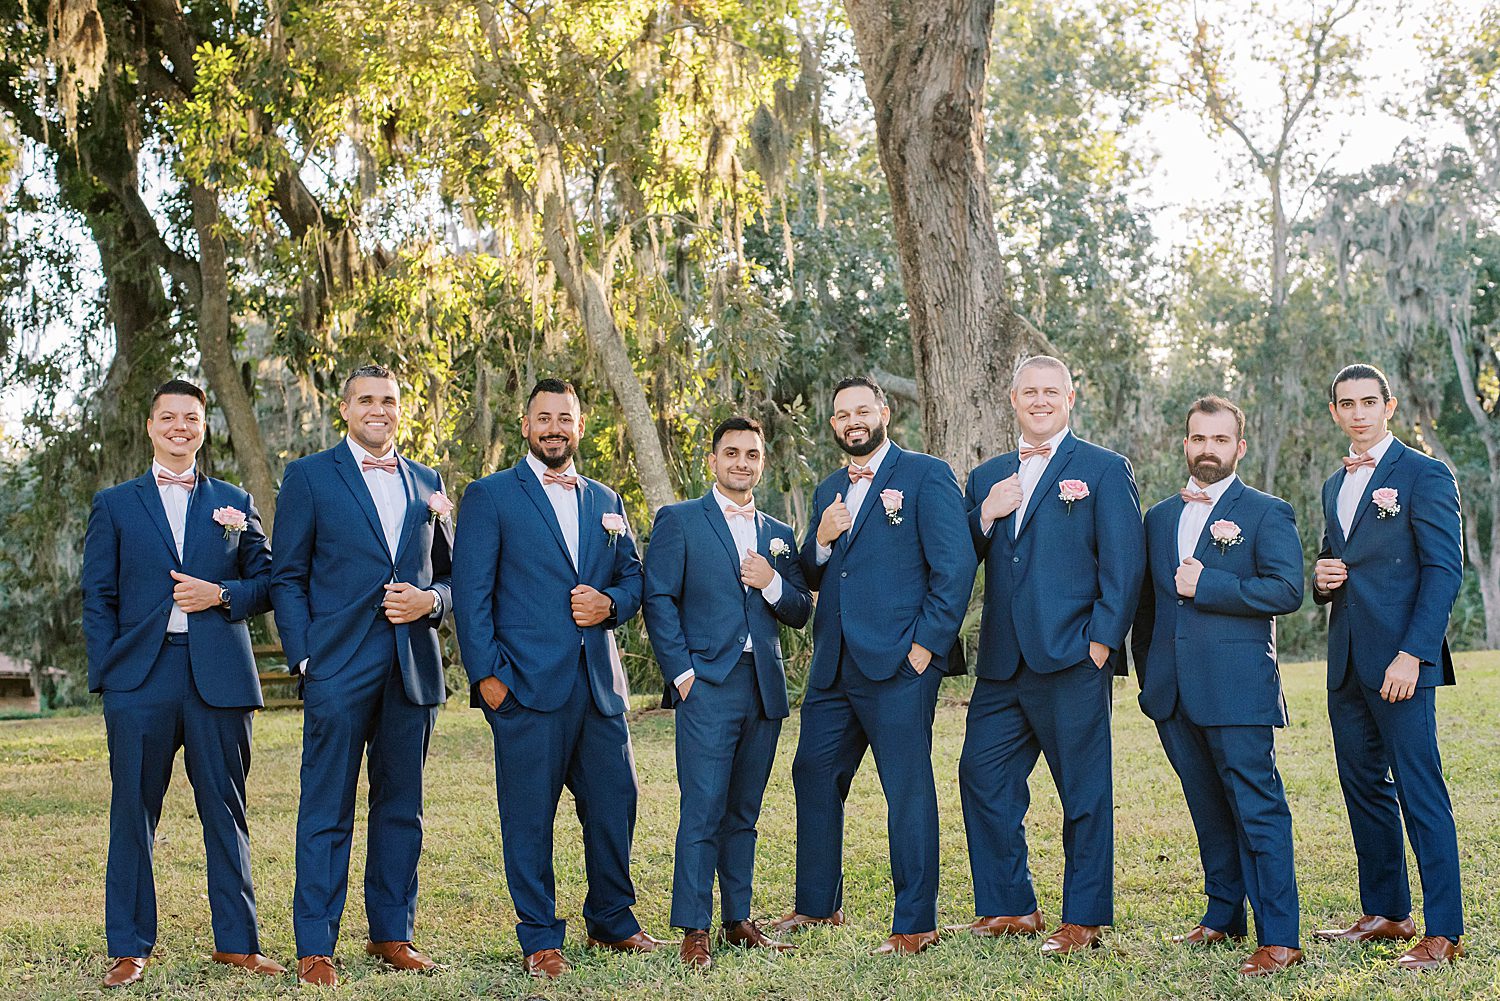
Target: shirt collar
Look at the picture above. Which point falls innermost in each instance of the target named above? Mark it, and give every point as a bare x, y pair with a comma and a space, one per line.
360, 454
157, 468
539, 467
724, 502
1378, 450
874, 459
1051, 443
1215, 490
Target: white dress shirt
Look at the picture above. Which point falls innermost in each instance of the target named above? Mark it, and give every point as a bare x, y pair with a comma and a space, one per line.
1031, 473
564, 502
1195, 514
388, 491
854, 496
175, 500
1356, 482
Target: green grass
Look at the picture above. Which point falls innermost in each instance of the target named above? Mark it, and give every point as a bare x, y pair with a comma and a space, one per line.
53, 826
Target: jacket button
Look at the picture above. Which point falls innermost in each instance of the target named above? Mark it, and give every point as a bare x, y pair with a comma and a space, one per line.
843, 573
1015, 559
1179, 601
741, 641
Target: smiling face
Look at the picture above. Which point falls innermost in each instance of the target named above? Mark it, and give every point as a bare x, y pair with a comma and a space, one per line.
1213, 446
738, 462
372, 409
552, 426
175, 428
1043, 399
1360, 408
859, 420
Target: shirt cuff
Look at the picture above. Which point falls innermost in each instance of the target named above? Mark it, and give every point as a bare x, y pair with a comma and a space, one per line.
986, 526
301, 667
772, 591
685, 675
824, 552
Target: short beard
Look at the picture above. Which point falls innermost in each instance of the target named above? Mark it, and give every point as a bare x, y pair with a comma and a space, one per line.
873, 442
561, 462
1207, 474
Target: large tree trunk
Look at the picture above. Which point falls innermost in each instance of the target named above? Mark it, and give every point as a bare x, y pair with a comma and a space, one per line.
924, 64
216, 352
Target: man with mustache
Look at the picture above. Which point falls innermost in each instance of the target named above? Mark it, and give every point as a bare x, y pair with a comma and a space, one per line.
360, 586
544, 567
889, 554
1058, 525
720, 575
1391, 567
174, 566
1223, 560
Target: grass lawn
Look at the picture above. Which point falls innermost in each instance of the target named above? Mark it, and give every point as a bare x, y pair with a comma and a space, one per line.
54, 793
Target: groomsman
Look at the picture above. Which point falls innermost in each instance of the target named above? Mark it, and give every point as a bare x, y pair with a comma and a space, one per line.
174, 565
1223, 560
544, 568
1391, 566
887, 551
719, 576
1058, 525
360, 586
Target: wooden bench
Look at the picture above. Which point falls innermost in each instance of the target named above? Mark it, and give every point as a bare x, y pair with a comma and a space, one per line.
276, 679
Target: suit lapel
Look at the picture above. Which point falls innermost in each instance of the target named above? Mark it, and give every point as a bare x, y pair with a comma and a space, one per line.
343, 460
1221, 509
590, 515
532, 488
1377, 480
200, 506
151, 499
872, 495
1336, 540
413, 508
720, 526
1060, 460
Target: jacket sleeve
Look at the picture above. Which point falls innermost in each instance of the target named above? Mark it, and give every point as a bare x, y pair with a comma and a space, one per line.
973, 501
442, 560
475, 580
1121, 556
1438, 527
1325, 552
1276, 586
626, 584
250, 594
661, 608
291, 562
812, 570
1144, 622
101, 587
943, 532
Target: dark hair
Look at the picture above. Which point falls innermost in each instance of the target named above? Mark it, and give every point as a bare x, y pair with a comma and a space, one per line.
736, 423
178, 387
370, 371
1218, 405
859, 380
1359, 370
552, 386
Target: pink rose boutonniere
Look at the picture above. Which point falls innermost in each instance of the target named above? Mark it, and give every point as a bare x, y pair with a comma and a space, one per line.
1387, 502
231, 519
438, 506
892, 499
1072, 491
1225, 534
779, 548
614, 525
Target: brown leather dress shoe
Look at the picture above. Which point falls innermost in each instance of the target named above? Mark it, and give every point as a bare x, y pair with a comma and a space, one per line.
125, 970
791, 921
1270, 959
994, 927
253, 961
639, 942
1368, 927
1072, 938
1204, 935
401, 956
695, 950
547, 964
1432, 953
317, 971
906, 945
748, 935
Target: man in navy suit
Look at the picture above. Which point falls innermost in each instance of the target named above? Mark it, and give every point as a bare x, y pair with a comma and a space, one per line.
544, 568
888, 552
719, 576
1391, 566
1057, 523
1223, 560
360, 586
174, 565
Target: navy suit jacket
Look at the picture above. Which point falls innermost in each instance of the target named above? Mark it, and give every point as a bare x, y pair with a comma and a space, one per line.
698, 613
513, 582
1214, 654
128, 556
894, 584
332, 565
1072, 576
1404, 571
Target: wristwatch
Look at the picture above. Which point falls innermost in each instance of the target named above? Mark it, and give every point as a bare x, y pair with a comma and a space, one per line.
223, 595
611, 608
437, 603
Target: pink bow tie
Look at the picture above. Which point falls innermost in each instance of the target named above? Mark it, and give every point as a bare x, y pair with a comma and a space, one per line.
857, 473
1041, 450
185, 480
565, 480
1194, 497
747, 512
1353, 462
386, 465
